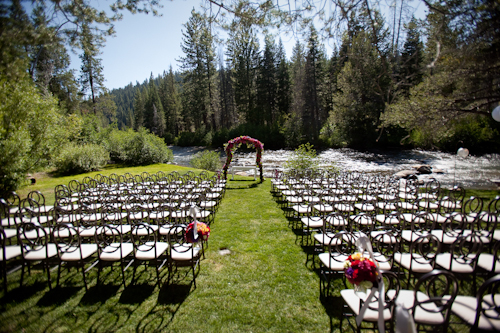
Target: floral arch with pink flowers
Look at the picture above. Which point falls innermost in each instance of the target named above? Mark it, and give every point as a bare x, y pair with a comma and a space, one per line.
231, 146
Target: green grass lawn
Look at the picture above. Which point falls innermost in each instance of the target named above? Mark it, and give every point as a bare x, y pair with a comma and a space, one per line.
263, 285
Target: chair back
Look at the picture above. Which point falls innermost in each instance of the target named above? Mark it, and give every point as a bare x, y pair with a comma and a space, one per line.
488, 301
435, 293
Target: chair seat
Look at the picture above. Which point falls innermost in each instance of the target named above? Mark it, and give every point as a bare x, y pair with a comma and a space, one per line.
324, 208
444, 260
184, 253
88, 231
344, 207
122, 228
69, 218
41, 253
159, 215
312, 221
332, 264
465, 307
486, 262
386, 238
72, 253
116, 251
150, 250
9, 233
409, 261
371, 314
144, 231
385, 219
445, 237
431, 317
411, 236
11, 251
11, 222
326, 238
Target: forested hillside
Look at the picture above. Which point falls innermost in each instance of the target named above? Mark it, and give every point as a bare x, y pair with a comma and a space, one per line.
391, 81
426, 83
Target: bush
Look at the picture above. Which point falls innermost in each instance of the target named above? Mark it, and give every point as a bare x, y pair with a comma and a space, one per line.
137, 148
303, 159
207, 160
146, 148
76, 159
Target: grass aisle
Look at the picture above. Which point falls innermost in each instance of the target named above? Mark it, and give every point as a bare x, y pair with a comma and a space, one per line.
263, 285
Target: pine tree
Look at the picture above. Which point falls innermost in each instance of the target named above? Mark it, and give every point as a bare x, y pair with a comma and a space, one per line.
198, 66
267, 86
243, 55
171, 103
412, 58
91, 78
154, 117
313, 108
283, 93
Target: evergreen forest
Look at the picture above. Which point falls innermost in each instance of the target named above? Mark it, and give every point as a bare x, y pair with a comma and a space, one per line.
392, 81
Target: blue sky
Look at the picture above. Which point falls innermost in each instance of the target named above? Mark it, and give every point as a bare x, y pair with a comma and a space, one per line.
146, 44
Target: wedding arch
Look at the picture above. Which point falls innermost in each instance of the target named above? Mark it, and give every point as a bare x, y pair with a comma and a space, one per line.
231, 146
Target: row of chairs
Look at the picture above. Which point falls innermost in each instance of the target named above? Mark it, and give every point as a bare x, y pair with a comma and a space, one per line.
430, 304
129, 210
415, 228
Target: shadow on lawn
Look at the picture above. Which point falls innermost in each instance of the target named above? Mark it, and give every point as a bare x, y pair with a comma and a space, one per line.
99, 294
170, 298
58, 296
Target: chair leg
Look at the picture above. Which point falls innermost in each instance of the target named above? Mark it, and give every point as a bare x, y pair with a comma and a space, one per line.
22, 274
58, 274
84, 278
48, 274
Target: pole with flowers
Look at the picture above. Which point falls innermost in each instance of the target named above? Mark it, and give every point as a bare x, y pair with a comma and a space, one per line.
231, 146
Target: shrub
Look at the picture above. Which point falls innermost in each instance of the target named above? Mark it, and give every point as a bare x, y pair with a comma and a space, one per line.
207, 160
137, 148
76, 159
146, 148
303, 159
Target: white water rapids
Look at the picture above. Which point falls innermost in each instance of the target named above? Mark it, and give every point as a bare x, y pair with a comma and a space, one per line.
471, 172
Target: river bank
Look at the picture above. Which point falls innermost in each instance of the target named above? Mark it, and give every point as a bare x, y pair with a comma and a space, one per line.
472, 172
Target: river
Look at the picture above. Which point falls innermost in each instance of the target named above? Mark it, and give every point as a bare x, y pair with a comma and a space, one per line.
471, 171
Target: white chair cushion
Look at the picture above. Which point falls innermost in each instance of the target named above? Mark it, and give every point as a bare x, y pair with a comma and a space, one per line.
486, 260
406, 297
116, 251
336, 264
11, 251
184, 253
444, 260
354, 302
465, 307
73, 254
405, 260
147, 251
41, 253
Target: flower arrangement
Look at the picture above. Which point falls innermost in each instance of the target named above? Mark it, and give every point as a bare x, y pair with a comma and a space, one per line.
233, 144
361, 271
203, 232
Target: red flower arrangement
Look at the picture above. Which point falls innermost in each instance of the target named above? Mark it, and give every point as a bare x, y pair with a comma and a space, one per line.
203, 232
361, 271
233, 144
